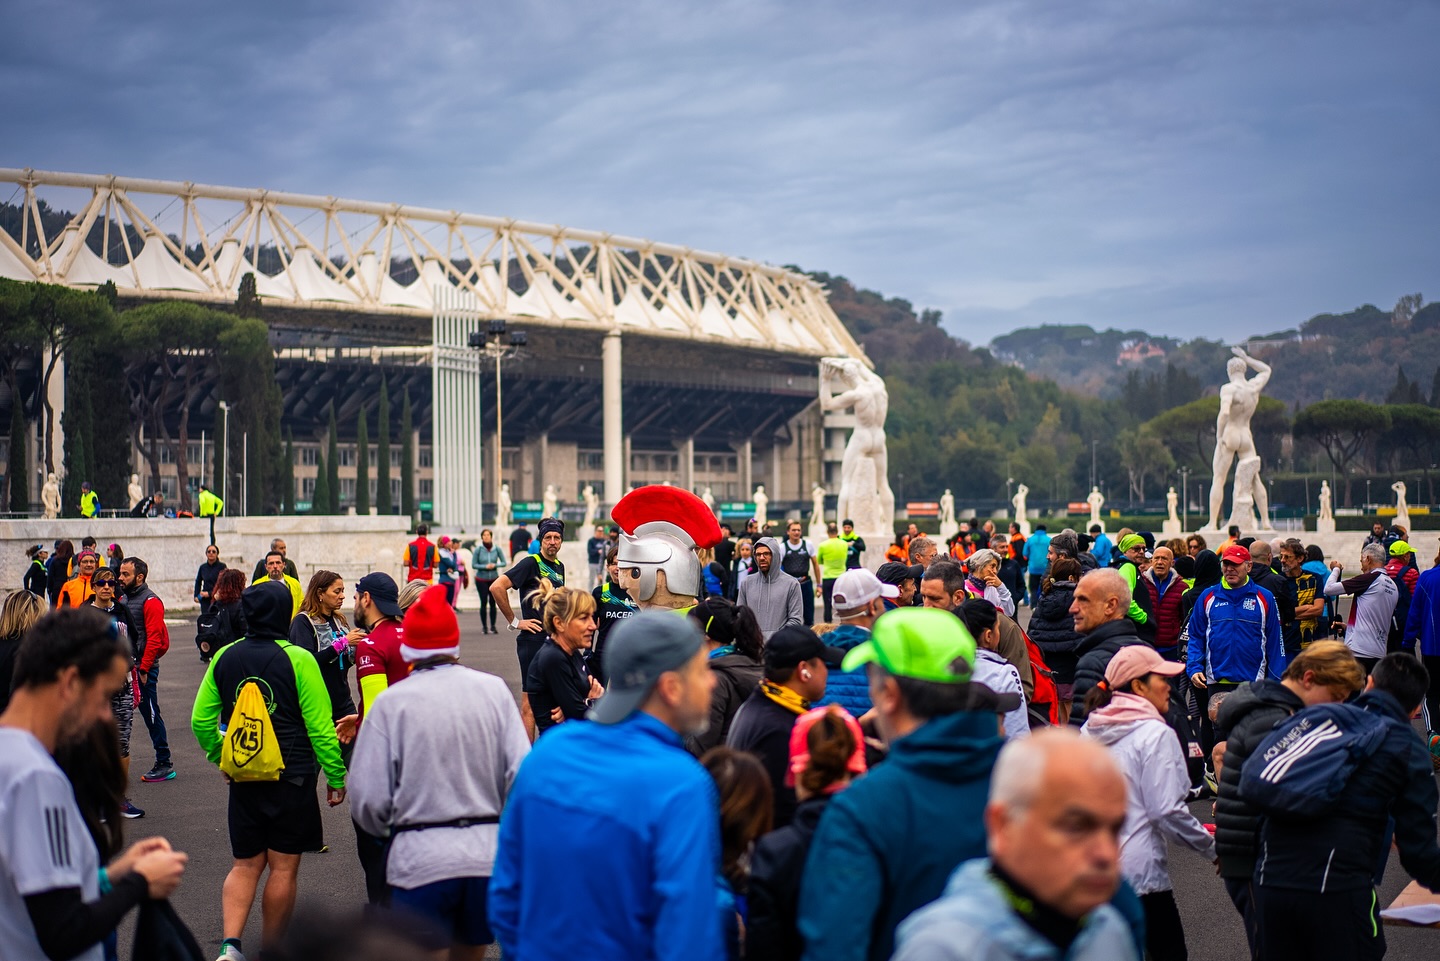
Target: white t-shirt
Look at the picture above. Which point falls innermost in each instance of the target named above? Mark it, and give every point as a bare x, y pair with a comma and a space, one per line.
44, 844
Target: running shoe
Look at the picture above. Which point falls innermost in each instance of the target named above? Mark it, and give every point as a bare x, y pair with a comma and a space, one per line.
130, 811
1210, 781
160, 772
230, 953
1435, 751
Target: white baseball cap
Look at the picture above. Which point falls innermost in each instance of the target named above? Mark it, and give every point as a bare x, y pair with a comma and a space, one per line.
858, 587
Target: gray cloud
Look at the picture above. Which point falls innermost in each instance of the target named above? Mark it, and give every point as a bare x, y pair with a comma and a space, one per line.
1227, 166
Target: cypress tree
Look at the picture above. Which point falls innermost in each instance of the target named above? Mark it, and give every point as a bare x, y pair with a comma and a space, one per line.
1435, 389
17, 471
362, 466
383, 503
320, 501
332, 465
407, 460
287, 482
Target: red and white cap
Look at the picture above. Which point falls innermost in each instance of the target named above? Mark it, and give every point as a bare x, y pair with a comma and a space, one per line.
430, 628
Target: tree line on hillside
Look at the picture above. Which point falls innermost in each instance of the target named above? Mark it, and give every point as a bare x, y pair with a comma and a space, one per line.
960, 418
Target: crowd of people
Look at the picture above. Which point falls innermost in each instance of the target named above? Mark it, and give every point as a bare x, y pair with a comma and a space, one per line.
759, 773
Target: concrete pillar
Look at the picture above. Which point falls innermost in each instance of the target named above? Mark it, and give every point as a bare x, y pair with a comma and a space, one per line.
777, 470
747, 481
617, 448
542, 464
687, 463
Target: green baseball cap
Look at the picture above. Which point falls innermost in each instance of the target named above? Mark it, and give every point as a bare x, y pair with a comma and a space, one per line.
1400, 549
925, 643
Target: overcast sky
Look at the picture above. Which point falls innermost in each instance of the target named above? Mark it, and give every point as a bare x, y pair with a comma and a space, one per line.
1225, 167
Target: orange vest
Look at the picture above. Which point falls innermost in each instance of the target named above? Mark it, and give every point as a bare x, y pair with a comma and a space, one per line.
420, 558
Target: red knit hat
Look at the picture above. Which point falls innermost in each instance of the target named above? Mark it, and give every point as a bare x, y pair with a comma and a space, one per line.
430, 628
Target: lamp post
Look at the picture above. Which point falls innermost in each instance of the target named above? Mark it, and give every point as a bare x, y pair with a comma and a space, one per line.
225, 451
1093, 443
1184, 498
491, 343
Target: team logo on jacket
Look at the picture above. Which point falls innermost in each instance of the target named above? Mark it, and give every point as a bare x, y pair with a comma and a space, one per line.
1249, 604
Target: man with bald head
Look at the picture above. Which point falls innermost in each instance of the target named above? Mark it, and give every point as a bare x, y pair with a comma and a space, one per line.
1165, 587
1102, 600
1057, 803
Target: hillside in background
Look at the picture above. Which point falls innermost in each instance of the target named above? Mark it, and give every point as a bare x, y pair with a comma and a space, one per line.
1351, 355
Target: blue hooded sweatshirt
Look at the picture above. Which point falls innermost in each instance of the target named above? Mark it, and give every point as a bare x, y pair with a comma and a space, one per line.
887, 844
1424, 619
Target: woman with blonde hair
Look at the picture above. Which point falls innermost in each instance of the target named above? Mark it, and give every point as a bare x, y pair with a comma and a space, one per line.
21, 610
559, 683
321, 629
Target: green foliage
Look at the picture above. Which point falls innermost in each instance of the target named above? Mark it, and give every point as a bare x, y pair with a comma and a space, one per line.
362, 466
63, 318
287, 476
1143, 455
1405, 391
332, 466
1342, 428
407, 459
247, 300
383, 502
320, 500
17, 469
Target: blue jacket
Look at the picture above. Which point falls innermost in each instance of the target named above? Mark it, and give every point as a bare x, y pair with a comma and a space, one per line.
1037, 552
1102, 549
609, 848
1235, 634
975, 919
887, 844
1424, 619
849, 689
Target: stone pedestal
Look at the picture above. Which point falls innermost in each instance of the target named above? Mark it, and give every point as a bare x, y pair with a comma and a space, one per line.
1171, 528
818, 534
1325, 525
948, 529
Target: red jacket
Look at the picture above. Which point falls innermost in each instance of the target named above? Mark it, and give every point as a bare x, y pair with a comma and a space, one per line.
420, 559
1165, 609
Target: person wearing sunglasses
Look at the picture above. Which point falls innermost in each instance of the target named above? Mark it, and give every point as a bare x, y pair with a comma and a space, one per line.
123, 703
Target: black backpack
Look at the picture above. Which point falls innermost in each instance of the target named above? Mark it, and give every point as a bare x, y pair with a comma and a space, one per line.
1304, 765
213, 631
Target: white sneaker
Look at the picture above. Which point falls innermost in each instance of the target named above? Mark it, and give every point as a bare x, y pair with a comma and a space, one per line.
230, 953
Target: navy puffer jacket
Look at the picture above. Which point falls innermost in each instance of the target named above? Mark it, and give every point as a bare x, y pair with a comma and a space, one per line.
1052, 628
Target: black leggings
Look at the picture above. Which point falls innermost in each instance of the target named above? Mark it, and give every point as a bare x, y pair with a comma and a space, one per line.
1164, 934
1432, 696
487, 604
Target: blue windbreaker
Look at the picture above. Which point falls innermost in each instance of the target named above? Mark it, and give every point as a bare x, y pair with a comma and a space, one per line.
1235, 634
1424, 619
609, 848
1037, 551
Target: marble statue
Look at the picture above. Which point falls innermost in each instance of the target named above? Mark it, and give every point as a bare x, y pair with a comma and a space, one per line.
1096, 500
707, 497
948, 527
1235, 444
1325, 521
947, 507
762, 503
549, 504
1402, 507
503, 517
817, 506
135, 491
50, 497
862, 389
1021, 516
818, 532
1171, 524
592, 508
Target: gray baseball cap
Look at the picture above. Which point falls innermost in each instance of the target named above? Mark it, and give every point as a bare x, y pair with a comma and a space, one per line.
638, 650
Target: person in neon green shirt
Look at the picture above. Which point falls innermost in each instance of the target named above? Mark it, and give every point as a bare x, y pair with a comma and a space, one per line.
832, 553
275, 570
89, 501
210, 504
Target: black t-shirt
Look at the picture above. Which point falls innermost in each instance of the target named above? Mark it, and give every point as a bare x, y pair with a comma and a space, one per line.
560, 680
725, 552
519, 541
525, 576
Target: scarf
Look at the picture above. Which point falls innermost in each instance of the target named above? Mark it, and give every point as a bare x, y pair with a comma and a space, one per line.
785, 697
1124, 708
721, 651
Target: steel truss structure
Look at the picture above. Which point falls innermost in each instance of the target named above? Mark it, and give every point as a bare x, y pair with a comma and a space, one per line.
166, 239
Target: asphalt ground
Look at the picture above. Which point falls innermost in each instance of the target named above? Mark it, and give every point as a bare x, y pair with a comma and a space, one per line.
191, 812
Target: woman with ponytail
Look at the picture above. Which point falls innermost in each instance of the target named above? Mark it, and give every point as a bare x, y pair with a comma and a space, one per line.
827, 752
560, 687
1125, 712
734, 642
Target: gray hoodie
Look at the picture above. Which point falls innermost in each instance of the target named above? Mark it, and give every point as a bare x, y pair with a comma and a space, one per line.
773, 596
